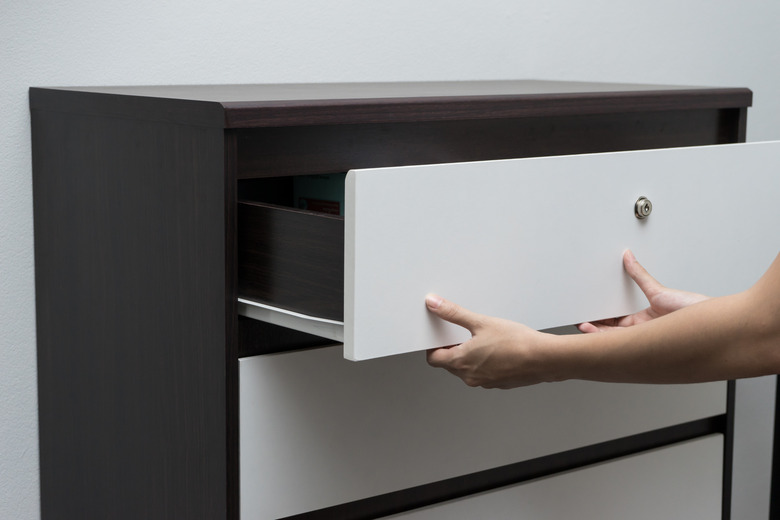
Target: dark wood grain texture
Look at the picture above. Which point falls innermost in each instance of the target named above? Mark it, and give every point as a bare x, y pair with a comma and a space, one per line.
141, 107
450, 108
130, 290
728, 450
232, 485
291, 259
251, 106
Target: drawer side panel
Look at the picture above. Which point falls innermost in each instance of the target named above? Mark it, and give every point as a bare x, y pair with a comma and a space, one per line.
291, 259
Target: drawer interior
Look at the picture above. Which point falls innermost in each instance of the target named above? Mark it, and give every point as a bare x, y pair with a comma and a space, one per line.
291, 243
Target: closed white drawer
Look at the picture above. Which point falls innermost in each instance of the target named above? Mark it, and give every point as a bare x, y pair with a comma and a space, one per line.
682, 481
536, 240
317, 430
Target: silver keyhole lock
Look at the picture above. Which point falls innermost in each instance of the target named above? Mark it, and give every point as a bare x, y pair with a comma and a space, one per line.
643, 208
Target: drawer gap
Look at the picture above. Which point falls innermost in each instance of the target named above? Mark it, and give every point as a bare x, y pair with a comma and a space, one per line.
321, 193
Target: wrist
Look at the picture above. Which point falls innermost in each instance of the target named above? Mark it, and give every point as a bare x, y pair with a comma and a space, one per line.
556, 360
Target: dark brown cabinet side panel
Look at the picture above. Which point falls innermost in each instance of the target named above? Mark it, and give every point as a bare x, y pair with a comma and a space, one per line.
233, 482
130, 287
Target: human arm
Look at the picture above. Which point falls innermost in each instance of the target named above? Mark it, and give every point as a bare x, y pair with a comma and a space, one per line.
720, 338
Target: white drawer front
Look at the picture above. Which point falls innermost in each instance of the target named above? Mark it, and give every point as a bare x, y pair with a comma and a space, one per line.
318, 430
540, 240
682, 481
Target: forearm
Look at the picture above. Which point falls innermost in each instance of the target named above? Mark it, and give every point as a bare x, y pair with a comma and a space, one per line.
722, 338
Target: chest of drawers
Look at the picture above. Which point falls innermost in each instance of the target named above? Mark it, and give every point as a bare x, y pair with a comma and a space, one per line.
159, 399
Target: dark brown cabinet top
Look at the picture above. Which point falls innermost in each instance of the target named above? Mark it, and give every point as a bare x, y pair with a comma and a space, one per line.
246, 106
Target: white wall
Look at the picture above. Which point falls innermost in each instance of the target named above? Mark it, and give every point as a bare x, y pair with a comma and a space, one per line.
99, 42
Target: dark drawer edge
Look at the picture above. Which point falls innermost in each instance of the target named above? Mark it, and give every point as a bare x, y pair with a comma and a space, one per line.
256, 338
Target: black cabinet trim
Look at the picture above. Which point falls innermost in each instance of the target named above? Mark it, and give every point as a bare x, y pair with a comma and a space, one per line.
728, 450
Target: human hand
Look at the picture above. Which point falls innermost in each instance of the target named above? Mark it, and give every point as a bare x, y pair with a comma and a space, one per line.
500, 353
662, 299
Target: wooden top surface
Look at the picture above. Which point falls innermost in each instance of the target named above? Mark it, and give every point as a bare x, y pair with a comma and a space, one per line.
242, 106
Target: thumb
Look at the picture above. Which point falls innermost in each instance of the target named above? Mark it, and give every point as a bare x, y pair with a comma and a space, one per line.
453, 313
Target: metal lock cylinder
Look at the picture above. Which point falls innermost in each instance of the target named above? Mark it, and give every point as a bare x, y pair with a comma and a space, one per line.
643, 208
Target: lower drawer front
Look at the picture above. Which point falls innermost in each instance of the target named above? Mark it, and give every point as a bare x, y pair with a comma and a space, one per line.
318, 431
682, 481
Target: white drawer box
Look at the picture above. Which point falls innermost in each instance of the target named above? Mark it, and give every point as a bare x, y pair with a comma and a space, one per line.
681, 481
317, 430
539, 240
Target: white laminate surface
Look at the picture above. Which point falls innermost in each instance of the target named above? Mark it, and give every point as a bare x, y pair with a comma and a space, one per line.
317, 430
678, 482
540, 240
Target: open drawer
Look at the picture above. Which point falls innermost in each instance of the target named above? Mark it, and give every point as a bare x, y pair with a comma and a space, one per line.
536, 240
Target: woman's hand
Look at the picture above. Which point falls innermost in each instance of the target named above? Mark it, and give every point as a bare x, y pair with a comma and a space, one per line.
730, 337
662, 299
505, 354
500, 353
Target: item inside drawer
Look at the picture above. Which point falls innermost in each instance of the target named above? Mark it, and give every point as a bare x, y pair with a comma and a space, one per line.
289, 258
